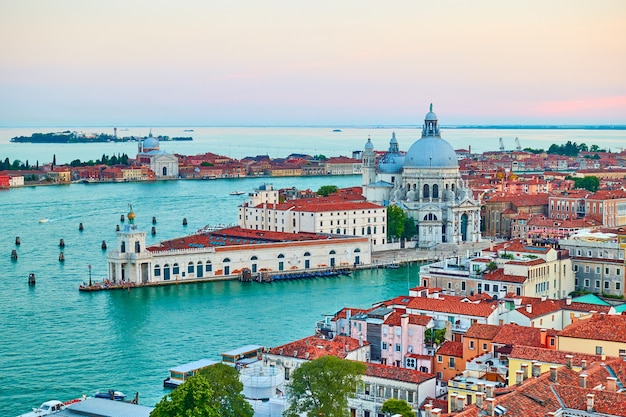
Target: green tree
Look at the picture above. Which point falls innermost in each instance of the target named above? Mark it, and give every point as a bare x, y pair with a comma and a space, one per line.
327, 189
396, 220
410, 229
194, 398
435, 336
227, 391
589, 183
394, 406
321, 387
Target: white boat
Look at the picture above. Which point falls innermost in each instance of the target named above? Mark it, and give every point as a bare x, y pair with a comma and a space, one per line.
179, 374
237, 192
44, 220
111, 395
50, 407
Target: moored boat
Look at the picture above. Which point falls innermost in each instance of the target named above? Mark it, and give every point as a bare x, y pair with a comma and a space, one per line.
111, 395
237, 192
50, 407
181, 373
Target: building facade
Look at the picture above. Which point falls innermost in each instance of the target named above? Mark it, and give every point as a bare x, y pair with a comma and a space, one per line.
427, 185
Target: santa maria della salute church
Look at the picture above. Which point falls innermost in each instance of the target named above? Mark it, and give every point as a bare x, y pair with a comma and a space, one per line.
426, 183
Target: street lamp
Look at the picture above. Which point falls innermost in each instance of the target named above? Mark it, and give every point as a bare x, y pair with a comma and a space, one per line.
90, 275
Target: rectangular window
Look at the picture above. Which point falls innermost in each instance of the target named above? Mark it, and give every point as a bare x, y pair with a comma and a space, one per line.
384, 345
597, 283
439, 358
486, 287
451, 363
606, 285
485, 347
575, 268
471, 345
598, 350
586, 283
597, 270
398, 347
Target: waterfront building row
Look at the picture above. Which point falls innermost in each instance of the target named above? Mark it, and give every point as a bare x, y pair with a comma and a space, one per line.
226, 253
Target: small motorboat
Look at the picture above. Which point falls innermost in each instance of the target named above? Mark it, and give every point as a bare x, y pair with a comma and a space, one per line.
111, 395
237, 192
44, 220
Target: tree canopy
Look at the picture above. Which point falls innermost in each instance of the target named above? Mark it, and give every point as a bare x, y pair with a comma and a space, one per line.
395, 406
589, 183
325, 190
396, 222
321, 387
214, 392
194, 398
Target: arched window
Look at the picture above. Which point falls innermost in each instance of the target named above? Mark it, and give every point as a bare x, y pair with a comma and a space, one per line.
176, 269
208, 266
226, 260
157, 270
123, 247
190, 268
338, 231
369, 230
307, 254
164, 171
435, 191
137, 247
357, 250
430, 216
332, 252
281, 256
426, 191
254, 258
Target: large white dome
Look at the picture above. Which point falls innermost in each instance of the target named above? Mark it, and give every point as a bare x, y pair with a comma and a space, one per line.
431, 152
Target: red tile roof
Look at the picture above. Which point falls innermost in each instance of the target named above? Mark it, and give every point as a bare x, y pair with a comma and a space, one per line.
611, 328
515, 335
453, 305
395, 318
314, 347
397, 374
482, 331
450, 348
550, 356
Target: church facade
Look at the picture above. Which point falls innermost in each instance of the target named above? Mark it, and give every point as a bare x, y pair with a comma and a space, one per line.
163, 164
426, 183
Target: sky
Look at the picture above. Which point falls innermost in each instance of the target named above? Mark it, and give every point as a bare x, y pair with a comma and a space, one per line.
286, 62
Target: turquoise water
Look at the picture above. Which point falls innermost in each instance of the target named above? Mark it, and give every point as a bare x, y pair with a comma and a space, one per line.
60, 343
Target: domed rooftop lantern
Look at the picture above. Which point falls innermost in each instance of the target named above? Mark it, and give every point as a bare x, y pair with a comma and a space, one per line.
431, 151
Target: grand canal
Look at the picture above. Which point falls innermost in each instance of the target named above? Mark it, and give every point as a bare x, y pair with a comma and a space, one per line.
60, 343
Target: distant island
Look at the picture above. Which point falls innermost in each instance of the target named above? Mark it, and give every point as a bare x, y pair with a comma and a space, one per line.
75, 137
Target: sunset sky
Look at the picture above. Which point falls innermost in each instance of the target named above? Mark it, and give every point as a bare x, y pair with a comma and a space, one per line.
286, 62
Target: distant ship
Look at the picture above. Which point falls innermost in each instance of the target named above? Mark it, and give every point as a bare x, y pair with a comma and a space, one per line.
336, 130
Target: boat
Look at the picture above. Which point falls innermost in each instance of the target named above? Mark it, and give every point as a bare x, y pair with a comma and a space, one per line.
111, 395
181, 373
237, 192
242, 356
50, 407
336, 130
44, 220
393, 266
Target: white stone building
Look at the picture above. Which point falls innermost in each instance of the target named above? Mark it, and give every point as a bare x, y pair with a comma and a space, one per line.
427, 185
227, 252
163, 164
328, 215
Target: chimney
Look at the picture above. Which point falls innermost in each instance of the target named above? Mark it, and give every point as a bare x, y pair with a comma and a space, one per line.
553, 373
590, 403
583, 380
544, 297
427, 410
568, 301
452, 402
519, 377
490, 407
489, 390
568, 361
583, 364
611, 383
544, 336
529, 308
524, 368
481, 387
480, 397
536, 369
436, 412
460, 402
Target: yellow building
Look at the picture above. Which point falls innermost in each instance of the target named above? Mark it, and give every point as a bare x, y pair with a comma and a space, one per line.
602, 334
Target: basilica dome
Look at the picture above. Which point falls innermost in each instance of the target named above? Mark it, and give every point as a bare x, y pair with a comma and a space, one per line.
431, 151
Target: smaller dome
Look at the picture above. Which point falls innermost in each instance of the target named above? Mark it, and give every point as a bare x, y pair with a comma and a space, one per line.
151, 143
369, 144
430, 116
391, 163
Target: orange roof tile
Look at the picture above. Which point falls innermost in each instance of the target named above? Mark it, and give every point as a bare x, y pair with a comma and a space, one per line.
450, 348
599, 327
314, 347
397, 374
482, 331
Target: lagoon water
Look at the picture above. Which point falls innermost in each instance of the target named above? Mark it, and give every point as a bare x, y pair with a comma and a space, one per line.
59, 343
